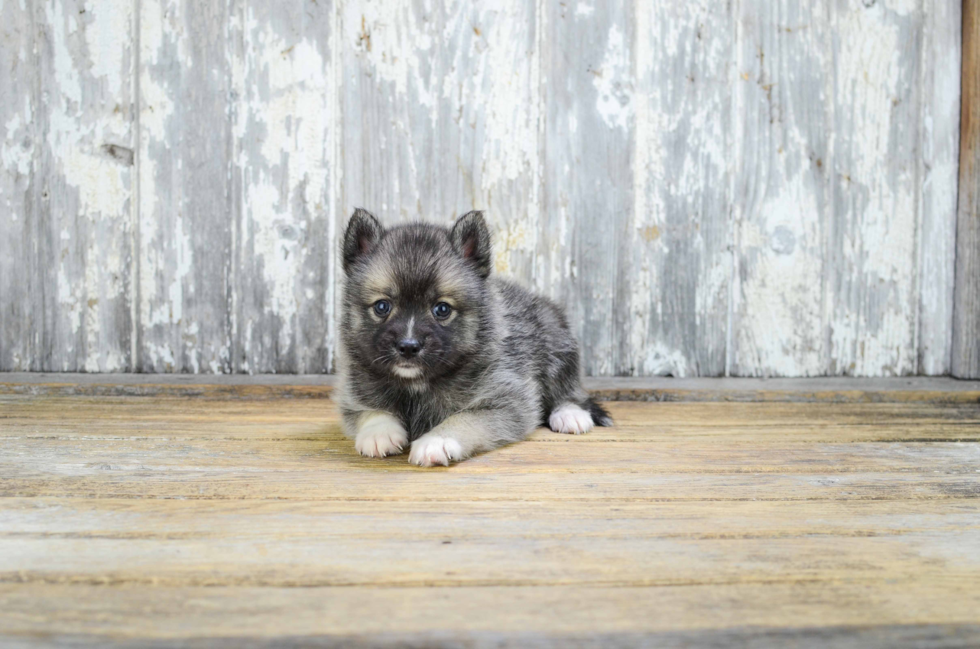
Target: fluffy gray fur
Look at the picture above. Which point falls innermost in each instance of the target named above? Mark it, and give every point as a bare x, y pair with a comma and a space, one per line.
500, 364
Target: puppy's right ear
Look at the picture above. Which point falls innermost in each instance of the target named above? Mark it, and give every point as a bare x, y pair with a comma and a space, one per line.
362, 235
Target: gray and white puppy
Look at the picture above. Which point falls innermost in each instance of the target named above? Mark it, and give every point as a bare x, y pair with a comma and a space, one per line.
438, 354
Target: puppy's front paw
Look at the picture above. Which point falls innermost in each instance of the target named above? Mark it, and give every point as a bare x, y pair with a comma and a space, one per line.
433, 450
379, 434
571, 419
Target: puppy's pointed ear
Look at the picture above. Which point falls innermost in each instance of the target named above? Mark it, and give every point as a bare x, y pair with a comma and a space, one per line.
362, 235
471, 240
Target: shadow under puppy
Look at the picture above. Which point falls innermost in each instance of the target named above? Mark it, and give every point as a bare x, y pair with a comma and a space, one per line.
438, 354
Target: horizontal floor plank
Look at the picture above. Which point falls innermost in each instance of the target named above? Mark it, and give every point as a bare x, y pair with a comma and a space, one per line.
23, 457
159, 415
78, 517
847, 636
40, 610
442, 485
315, 544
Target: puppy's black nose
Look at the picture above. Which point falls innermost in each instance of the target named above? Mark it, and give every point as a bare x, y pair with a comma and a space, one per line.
409, 347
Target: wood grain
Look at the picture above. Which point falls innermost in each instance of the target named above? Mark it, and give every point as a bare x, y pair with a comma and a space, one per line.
287, 132
129, 521
316, 615
441, 116
871, 258
584, 250
680, 235
782, 202
19, 149
83, 186
187, 210
664, 544
966, 312
939, 70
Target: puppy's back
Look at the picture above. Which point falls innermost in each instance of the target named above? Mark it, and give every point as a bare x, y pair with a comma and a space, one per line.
537, 340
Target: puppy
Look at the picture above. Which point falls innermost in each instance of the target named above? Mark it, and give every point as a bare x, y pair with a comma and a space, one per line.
437, 354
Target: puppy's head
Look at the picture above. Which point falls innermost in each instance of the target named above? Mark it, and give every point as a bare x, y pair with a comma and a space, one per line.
416, 296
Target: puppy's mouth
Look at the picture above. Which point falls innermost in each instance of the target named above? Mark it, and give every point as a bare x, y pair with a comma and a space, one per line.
405, 370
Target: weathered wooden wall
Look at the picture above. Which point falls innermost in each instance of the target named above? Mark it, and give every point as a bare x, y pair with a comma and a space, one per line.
758, 187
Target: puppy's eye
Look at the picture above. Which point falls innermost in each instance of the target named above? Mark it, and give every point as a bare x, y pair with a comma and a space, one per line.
442, 310
382, 308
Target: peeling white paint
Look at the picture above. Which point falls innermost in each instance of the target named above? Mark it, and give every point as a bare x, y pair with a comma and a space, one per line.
781, 318
288, 91
14, 155
779, 308
939, 63
657, 359
883, 250
106, 35
89, 67
648, 205
65, 74
613, 82
680, 170
395, 40
505, 89
156, 105
18, 150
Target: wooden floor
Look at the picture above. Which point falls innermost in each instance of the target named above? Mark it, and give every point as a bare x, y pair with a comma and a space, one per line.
203, 521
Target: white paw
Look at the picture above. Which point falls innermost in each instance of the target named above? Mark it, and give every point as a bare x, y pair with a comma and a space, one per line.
379, 434
432, 450
569, 418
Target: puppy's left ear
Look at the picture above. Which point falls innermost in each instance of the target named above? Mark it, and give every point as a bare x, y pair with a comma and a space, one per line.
362, 235
471, 240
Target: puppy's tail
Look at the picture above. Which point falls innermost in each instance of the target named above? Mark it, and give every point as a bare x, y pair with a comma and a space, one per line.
600, 417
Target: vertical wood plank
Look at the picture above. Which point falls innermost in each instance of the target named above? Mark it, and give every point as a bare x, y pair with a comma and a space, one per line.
966, 310
18, 146
871, 263
782, 205
84, 176
585, 236
828, 206
187, 208
939, 124
680, 273
441, 116
287, 126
